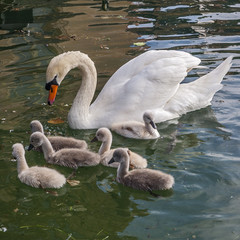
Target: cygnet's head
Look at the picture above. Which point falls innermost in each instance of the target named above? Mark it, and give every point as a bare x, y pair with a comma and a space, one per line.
18, 150
119, 155
36, 126
102, 134
36, 140
148, 118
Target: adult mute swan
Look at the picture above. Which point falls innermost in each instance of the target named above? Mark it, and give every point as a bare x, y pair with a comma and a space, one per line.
149, 82
36, 176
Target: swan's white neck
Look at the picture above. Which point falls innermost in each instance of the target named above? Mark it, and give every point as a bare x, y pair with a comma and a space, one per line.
21, 163
79, 113
47, 148
106, 145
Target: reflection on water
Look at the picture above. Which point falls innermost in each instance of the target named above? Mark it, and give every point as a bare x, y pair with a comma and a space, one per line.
200, 149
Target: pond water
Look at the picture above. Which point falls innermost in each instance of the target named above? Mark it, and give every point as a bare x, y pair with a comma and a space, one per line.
200, 149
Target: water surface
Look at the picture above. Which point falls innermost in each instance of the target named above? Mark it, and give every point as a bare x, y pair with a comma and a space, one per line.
201, 149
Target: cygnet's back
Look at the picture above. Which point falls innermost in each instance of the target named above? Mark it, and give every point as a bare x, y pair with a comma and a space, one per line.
138, 130
58, 142
38, 177
68, 157
74, 158
142, 179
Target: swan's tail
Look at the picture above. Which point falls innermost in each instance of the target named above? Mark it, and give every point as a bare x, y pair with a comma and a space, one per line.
216, 75
199, 93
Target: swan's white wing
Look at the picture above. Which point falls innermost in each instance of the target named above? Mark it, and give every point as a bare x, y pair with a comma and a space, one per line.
146, 82
199, 94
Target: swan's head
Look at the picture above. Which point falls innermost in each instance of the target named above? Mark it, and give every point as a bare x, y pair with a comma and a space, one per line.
57, 69
120, 155
102, 135
36, 126
17, 150
56, 72
148, 118
36, 140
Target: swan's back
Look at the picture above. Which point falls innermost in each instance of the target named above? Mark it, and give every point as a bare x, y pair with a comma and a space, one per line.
59, 142
75, 158
136, 85
148, 180
42, 177
136, 160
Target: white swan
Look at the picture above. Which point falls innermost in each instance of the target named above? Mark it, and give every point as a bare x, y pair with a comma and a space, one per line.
36, 176
138, 130
105, 136
149, 82
141, 179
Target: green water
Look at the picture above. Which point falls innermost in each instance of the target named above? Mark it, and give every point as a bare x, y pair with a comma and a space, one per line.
201, 149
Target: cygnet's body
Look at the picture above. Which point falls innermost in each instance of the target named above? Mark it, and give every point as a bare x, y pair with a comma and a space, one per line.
68, 157
105, 136
58, 142
38, 177
141, 179
138, 130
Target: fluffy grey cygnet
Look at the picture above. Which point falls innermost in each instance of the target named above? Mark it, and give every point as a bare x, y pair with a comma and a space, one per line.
58, 142
105, 136
138, 130
38, 177
141, 179
68, 157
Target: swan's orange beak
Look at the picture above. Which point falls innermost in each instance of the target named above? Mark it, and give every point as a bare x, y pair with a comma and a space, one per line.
52, 94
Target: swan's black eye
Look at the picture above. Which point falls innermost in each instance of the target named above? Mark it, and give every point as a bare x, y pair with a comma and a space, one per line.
49, 84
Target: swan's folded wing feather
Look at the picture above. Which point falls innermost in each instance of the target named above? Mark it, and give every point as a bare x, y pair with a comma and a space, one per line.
149, 85
199, 94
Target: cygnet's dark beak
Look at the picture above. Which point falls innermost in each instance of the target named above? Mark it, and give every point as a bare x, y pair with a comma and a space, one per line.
111, 161
30, 147
153, 125
94, 139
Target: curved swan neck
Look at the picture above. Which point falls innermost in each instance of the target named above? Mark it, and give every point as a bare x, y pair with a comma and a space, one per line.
106, 145
47, 148
149, 127
21, 163
123, 168
79, 111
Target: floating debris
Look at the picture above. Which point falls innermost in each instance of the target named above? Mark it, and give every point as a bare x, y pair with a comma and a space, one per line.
56, 121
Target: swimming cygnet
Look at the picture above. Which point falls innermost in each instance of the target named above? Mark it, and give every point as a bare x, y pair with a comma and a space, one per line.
38, 177
138, 130
68, 157
105, 136
58, 142
141, 179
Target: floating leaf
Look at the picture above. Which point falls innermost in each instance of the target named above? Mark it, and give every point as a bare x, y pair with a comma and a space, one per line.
16, 210
77, 208
56, 121
73, 182
139, 44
